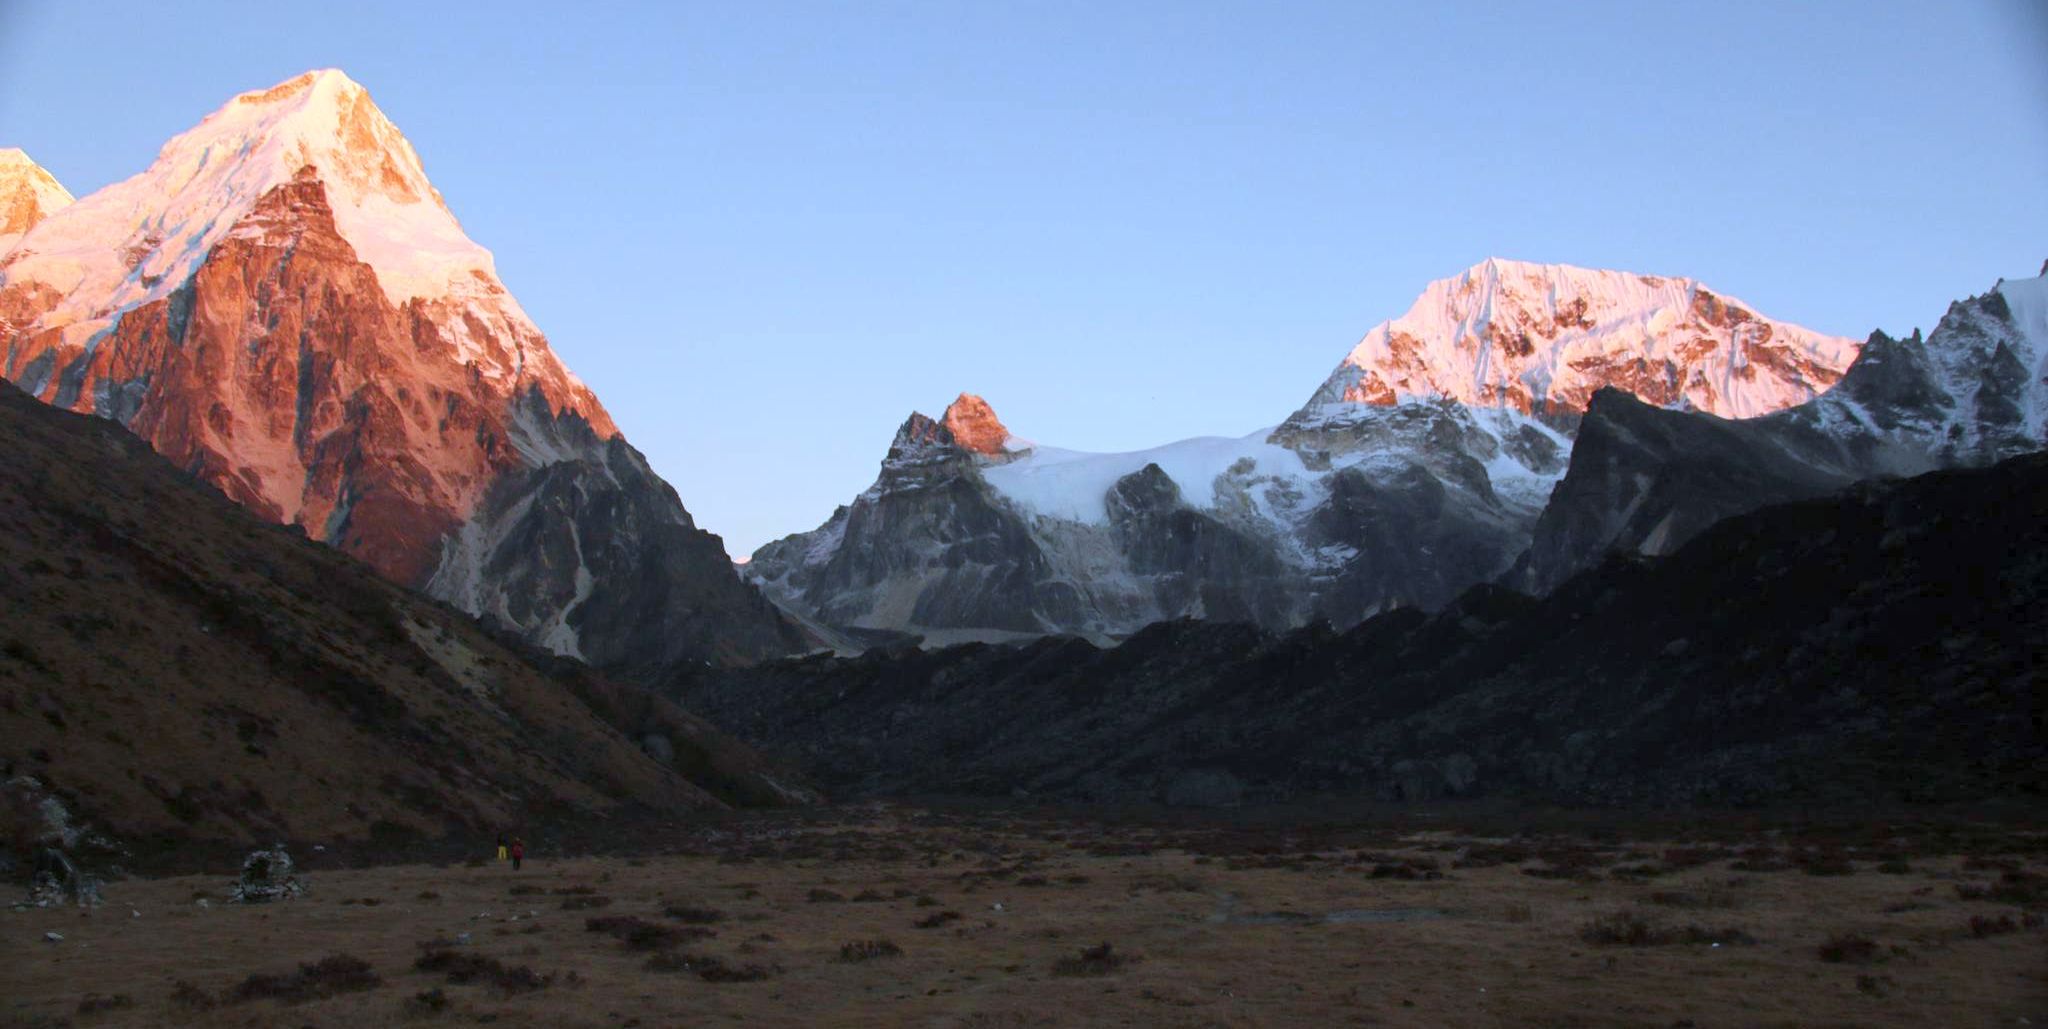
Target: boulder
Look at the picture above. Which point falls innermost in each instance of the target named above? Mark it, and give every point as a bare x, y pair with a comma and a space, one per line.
266, 876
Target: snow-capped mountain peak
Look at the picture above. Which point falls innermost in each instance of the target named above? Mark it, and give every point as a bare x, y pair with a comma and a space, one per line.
137, 241
1541, 338
28, 194
283, 306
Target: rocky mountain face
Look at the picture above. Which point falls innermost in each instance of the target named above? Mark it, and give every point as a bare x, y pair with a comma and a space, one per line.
176, 667
1645, 480
1875, 645
1419, 468
284, 306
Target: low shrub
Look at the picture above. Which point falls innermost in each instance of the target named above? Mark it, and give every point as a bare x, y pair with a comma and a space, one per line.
1630, 929
427, 1002
693, 915
706, 967
190, 997
462, 968
1098, 960
1708, 899
868, 950
641, 934
335, 974
1849, 949
93, 1003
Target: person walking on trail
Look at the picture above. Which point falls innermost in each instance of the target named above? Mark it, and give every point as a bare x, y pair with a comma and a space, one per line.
518, 852
502, 855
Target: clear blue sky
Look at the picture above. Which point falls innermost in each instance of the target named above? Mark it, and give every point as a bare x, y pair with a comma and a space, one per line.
766, 232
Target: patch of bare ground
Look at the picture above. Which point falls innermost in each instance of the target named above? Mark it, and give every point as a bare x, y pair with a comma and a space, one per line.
1014, 920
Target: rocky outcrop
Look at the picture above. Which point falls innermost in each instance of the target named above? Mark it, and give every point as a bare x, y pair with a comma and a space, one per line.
974, 425
266, 876
1645, 480
284, 306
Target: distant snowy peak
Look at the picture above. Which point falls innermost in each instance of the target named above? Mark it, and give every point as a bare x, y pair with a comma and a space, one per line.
28, 194
1542, 338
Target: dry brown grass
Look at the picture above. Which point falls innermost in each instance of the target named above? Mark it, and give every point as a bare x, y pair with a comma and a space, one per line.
1484, 944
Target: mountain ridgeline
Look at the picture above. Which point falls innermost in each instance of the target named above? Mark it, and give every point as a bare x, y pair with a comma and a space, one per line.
1420, 467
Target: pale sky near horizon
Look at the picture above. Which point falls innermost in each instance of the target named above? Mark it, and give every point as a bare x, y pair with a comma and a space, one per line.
764, 233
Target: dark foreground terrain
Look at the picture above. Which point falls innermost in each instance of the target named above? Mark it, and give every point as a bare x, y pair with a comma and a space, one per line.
887, 917
1882, 644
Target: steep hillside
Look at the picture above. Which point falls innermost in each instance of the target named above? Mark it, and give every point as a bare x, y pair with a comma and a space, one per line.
173, 666
285, 306
1879, 644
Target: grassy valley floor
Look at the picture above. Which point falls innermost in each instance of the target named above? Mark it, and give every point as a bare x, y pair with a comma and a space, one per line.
888, 917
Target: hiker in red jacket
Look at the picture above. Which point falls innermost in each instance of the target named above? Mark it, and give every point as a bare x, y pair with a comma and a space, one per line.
518, 852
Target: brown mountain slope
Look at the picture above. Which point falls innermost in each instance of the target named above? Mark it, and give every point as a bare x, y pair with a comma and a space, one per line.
173, 666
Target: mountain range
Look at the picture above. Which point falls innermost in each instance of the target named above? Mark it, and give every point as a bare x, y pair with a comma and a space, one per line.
1421, 466
1535, 495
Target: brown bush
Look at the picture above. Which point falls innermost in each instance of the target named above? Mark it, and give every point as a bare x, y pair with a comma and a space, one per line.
1098, 960
641, 934
1849, 949
93, 1003
937, 919
706, 967
1630, 929
427, 1002
335, 974
186, 995
1686, 899
463, 968
693, 915
868, 950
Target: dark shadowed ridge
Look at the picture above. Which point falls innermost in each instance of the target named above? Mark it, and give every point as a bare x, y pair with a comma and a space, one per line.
1879, 644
